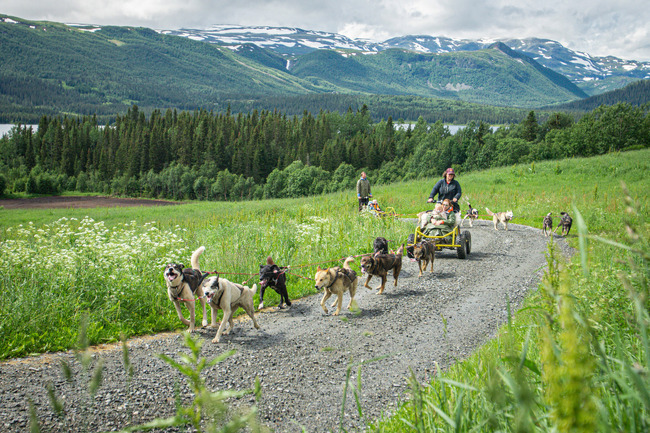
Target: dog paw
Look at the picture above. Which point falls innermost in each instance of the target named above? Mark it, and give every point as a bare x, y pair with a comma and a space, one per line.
259, 307
215, 340
204, 323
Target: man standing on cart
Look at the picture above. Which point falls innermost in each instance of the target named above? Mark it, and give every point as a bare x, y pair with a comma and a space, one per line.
447, 188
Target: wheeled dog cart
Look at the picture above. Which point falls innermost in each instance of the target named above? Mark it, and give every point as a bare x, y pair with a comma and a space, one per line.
455, 240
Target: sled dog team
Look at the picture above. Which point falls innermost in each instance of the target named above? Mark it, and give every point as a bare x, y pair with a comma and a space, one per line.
186, 285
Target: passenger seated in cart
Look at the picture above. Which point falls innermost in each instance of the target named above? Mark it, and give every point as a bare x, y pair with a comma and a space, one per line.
373, 207
442, 222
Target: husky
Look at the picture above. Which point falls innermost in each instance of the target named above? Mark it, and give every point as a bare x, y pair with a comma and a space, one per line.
547, 224
336, 281
565, 222
185, 285
471, 215
380, 264
228, 296
500, 217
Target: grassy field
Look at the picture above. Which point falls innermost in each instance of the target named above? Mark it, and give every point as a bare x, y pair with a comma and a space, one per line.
574, 359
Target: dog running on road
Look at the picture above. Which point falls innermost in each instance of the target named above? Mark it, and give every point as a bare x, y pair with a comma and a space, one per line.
500, 217
565, 222
471, 215
424, 253
547, 224
272, 276
380, 245
380, 264
184, 285
336, 281
228, 296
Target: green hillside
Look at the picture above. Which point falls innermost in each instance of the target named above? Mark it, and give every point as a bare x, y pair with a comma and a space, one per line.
51, 68
488, 77
637, 93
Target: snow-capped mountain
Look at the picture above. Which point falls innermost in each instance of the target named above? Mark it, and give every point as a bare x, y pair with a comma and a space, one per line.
289, 41
594, 75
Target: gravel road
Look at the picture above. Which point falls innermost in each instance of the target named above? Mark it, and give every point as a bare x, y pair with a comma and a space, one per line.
301, 355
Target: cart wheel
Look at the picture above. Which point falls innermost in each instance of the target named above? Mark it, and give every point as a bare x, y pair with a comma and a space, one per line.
468, 244
461, 251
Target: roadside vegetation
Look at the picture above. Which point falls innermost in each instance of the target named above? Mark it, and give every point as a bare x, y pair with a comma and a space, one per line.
263, 155
575, 358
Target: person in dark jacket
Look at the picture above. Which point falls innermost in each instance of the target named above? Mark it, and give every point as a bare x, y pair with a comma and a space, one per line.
363, 190
447, 188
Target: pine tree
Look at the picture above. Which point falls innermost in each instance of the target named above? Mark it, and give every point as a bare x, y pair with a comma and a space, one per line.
530, 128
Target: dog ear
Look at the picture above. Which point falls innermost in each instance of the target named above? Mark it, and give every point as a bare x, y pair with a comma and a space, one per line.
269, 261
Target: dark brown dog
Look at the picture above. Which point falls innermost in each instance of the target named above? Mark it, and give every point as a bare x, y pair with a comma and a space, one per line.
380, 245
424, 253
547, 224
380, 264
565, 222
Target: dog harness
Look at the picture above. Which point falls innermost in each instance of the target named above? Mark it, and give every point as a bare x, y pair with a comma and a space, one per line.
374, 262
222, 291
273, 282
176, 295
345, 272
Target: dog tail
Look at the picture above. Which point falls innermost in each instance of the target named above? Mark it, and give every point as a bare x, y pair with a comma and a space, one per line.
489, 212
195, 258
253, 289
346, 264
400, 251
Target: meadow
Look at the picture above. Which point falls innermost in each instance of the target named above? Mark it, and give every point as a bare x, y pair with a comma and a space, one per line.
575, 358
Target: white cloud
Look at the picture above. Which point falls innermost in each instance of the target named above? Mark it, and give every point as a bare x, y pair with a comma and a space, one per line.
598, 27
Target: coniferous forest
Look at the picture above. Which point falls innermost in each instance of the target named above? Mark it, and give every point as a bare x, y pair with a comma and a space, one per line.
223, 156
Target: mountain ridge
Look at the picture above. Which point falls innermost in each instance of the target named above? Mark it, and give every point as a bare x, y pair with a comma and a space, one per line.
51, 68
594, 75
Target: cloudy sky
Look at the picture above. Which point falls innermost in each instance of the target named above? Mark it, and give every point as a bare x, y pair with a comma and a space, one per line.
599, 27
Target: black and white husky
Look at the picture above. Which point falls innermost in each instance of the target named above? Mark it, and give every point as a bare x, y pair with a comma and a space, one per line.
185, 285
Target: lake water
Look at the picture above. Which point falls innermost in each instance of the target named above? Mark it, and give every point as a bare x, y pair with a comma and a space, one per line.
453, 129
6, 127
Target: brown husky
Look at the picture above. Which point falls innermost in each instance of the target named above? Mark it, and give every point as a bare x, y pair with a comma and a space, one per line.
380, 264
547, 224
424, 253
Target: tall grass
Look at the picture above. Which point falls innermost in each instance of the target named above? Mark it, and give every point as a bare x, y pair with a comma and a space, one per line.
53, 274
576, 357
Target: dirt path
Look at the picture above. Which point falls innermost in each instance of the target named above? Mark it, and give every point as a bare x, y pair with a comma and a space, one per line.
78, 202
301, 355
